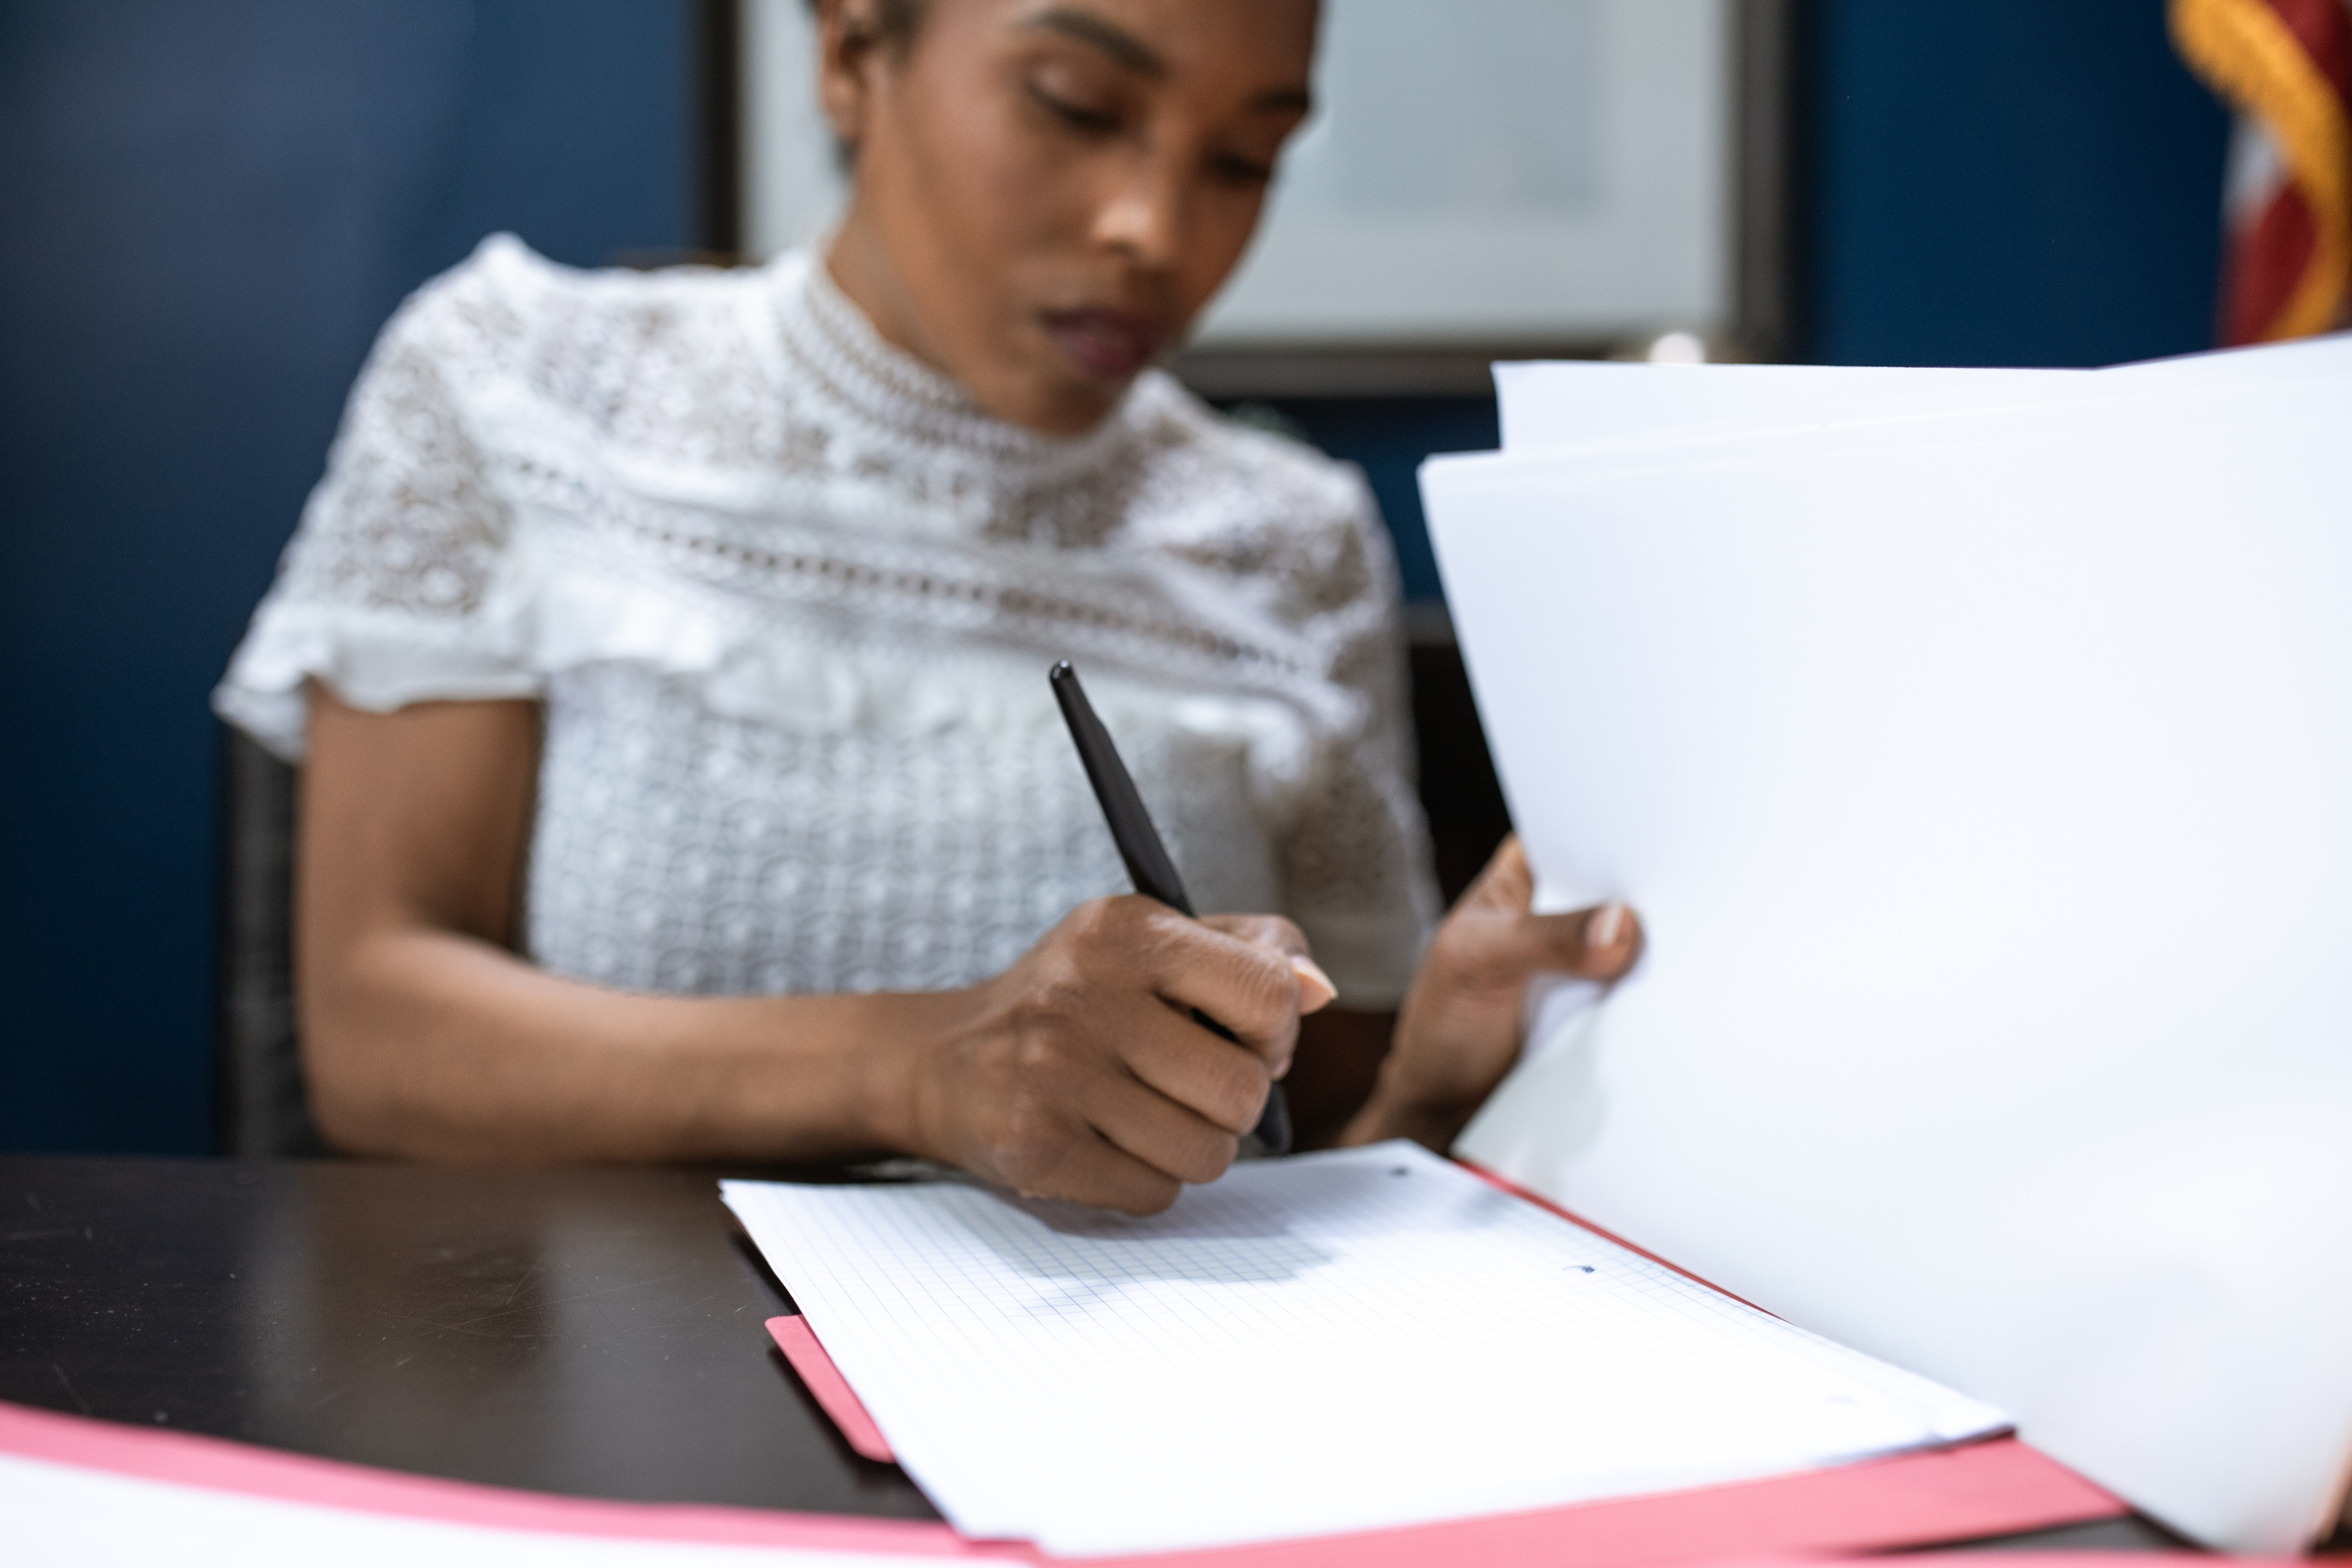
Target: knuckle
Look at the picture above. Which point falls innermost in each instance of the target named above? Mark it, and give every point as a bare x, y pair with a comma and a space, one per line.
1125, 914
1153, 1197
1210, 1158
1035, 1054
1283, 933
1236, 1095
1258, 930
1035, 1150
1044, 1013
1264, 992
1097, 923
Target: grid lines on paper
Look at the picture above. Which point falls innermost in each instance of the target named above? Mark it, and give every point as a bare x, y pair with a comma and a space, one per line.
1278, 1353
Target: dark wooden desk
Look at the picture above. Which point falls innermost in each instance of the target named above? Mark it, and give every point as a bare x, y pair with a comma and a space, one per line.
593, 1332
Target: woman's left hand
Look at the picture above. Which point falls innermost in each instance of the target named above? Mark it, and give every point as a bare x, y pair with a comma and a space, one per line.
1460, 1028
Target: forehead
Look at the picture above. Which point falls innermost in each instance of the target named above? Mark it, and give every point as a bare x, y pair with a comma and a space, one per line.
1267, 41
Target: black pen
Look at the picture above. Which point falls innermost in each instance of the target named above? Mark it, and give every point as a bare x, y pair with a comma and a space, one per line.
1148, 864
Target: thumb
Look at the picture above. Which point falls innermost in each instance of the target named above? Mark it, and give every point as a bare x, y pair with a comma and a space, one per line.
1598, 943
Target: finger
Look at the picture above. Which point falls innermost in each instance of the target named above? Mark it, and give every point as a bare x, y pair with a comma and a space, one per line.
1249, 988
1316, 990
1182, 1060
1085, 1168
1168, 1137
1598, 943
1265, 930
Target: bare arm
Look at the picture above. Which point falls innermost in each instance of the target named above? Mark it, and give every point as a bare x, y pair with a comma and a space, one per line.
427, 1037
1075, 1074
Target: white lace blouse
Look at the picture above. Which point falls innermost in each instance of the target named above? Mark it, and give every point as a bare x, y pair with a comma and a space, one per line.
788, 600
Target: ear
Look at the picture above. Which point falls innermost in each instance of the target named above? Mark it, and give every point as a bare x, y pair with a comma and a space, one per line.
849, 46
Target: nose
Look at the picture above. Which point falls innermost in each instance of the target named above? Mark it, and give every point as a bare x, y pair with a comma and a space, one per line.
1143, 216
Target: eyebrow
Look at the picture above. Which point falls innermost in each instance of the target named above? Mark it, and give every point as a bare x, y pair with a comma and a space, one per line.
1112, 39
1143, 60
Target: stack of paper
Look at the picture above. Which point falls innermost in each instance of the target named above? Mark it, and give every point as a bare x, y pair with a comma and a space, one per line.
1978, 749
1332, 1343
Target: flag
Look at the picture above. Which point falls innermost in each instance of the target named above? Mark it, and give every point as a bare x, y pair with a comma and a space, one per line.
2286, 67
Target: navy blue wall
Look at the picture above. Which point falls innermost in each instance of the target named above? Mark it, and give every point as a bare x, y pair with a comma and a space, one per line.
1997, 183
2006, 183
1388, 437
209, 210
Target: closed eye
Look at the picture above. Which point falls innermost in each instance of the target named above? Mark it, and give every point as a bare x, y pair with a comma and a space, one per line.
1076, 116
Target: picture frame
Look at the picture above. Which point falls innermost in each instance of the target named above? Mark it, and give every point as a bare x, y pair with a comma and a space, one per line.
1492, 179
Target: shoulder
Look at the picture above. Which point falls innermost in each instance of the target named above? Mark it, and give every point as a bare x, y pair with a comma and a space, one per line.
587, 339
1225, 494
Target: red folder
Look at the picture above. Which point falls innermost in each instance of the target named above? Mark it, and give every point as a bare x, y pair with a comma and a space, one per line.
1982, 1489
1997, 1487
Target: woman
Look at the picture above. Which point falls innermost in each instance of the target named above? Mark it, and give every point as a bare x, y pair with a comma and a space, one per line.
668, 653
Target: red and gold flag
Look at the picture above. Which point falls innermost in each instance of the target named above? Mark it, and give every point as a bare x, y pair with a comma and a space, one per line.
2286, 67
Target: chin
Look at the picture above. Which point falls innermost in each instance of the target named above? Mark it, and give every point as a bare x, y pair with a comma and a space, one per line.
1076, 414
1055, 399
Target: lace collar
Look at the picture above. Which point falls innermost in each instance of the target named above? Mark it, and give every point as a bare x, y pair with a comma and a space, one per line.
832, 349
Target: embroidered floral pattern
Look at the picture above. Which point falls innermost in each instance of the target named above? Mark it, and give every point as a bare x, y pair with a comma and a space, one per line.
788, 597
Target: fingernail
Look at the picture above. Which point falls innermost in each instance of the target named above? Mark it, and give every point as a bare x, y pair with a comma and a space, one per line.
1608, 925
1316, 991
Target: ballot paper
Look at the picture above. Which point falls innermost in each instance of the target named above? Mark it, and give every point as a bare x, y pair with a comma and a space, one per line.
1981, 778
1335, 1342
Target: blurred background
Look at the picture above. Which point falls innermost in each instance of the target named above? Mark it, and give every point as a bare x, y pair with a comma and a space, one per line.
210, 209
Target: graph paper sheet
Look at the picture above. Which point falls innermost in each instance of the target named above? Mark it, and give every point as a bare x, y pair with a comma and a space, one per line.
1335, 1342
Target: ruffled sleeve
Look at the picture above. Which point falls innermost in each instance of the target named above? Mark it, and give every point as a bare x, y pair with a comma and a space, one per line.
382, 592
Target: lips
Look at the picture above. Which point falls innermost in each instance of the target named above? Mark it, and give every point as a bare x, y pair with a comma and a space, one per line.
1105, 346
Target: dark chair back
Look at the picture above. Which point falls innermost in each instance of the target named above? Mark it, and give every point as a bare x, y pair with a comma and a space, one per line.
261, 1105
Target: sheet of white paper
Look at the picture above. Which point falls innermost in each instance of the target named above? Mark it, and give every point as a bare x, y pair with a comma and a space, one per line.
1586, 405
1579, 402
2304, 359
1334, 1343
1982, 782
63, 1516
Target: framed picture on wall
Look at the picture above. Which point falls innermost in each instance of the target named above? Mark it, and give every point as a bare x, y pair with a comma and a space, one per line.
1481, 178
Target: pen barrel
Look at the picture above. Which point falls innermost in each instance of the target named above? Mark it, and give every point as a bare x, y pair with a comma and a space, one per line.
1273, 1128
1149, 866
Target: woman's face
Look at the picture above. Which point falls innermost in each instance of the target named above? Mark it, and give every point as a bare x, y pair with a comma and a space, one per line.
1049, 191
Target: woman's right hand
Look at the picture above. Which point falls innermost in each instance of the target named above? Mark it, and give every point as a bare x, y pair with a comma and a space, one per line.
1079, 1073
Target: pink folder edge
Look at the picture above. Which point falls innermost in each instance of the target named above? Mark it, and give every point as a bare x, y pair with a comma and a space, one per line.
1986, 1488
217, 1464
1994, 1487
831, 1390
